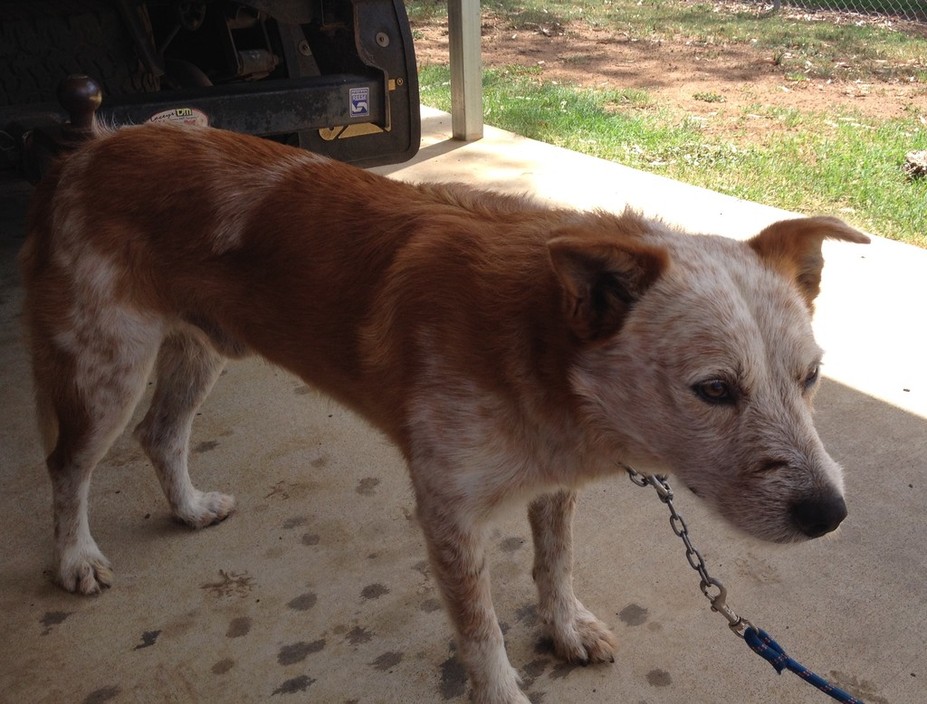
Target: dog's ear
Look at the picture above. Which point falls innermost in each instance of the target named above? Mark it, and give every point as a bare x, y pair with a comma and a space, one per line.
794, 248
602, 280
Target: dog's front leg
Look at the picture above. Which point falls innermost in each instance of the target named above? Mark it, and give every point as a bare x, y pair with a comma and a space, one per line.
578, 636
456, 550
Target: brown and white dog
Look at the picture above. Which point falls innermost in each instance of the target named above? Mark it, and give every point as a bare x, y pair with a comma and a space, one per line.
511, 350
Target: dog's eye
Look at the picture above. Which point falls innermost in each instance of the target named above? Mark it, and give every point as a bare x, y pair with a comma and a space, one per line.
812, 377
715, 391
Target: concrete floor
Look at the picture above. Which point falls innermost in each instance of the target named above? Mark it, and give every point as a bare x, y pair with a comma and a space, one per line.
317, 589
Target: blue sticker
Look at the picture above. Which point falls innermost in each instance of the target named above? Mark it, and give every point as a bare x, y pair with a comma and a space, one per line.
360, 102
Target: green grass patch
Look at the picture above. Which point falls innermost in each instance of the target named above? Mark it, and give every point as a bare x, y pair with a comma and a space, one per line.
708, 97
847, 166
426, 10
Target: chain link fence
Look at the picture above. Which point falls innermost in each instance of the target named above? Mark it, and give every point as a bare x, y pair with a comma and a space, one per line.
911, 10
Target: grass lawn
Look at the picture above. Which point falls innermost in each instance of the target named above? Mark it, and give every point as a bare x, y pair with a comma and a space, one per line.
822, 162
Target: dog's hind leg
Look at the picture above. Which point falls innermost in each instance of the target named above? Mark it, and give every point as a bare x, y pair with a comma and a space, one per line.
577, 635
186, 370
88, 380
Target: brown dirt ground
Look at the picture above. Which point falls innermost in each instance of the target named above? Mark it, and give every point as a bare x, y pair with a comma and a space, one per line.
737, 77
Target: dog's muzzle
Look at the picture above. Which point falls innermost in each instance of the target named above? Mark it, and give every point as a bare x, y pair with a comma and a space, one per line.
818, 516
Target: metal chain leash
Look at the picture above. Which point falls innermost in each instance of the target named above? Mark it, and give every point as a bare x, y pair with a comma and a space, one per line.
758, 640
712, 588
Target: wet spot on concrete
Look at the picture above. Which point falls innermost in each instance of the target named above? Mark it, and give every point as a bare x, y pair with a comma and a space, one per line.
536, 668
205, 446
757, 570
511, 544
53, 618
504, 627
303, 602
238, 627
229, 584
294, 685
358, 635
367, 486
536, 697
527, 615
148, 639
659, 678
387, 661
284, 490
544, 646
422, 567
181, 624
275, 552
633, 615
99, 696
430, 605
374, 591
562, 669
860, 688
453, 679
223, 666
294, 522
297, 652
310, 539
532, 671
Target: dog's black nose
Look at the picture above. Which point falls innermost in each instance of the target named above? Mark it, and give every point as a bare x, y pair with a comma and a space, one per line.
815, 517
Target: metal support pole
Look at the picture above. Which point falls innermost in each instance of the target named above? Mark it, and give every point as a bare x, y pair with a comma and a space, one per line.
463, 24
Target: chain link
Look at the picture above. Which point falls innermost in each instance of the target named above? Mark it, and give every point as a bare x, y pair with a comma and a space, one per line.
888, 9
713, 589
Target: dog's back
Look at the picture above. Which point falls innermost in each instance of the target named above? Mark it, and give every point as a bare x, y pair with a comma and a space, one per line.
324, 269
220, 230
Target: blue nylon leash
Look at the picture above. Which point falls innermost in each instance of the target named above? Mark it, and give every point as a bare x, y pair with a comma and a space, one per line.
759, 641
762, 644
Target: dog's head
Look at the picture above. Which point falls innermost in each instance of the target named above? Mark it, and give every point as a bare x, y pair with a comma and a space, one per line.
697, 357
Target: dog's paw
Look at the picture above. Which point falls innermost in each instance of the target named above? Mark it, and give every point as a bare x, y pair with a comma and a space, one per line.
508, 695
584, 639
85, 573
205, 509
494, 680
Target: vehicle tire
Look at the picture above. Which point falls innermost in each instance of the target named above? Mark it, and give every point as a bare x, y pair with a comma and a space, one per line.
42, 42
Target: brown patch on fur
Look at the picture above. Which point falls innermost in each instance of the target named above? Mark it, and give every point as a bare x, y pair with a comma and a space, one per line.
603, 278
794, 248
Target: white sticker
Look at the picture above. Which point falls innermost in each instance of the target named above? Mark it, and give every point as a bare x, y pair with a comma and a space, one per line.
360, 102
182, 116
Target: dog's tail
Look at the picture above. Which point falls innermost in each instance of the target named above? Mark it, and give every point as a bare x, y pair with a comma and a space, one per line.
46, 414
102, 127
34, 263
